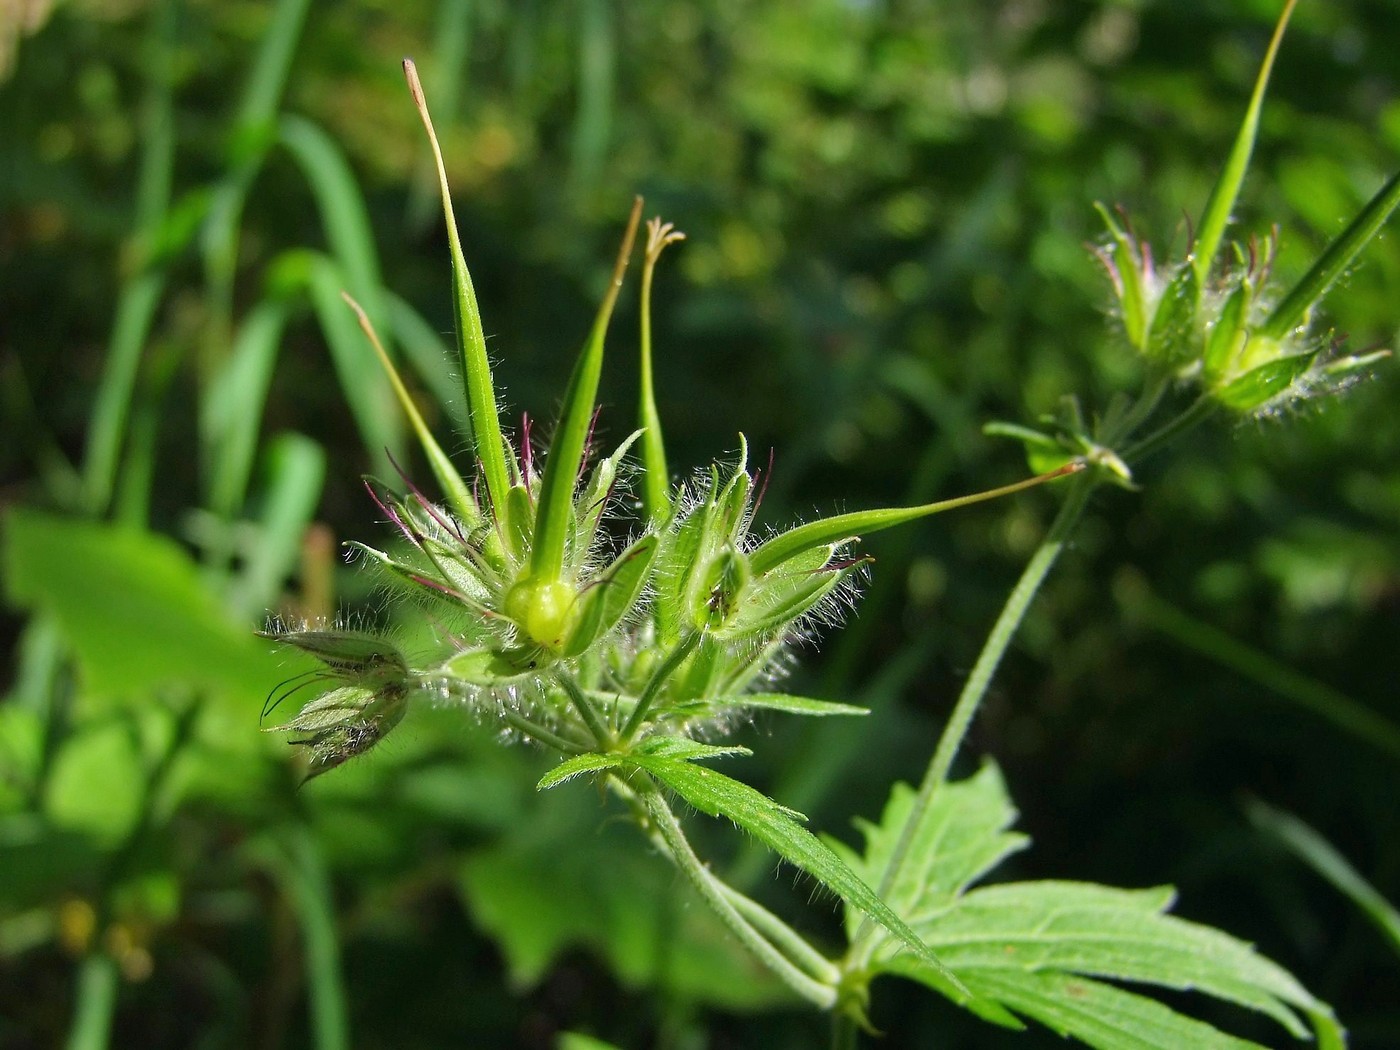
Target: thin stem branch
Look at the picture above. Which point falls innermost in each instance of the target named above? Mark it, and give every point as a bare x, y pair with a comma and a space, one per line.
584, 706
535, 731
658, 679
975, 689
783, 936
717, 895
1198, 412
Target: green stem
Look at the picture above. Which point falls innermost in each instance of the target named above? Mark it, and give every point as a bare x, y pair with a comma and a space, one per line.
717, 895
1198, 412
658, 679
584, 706
975, 689
783, 936
843, 1032
535, 731
96, 1003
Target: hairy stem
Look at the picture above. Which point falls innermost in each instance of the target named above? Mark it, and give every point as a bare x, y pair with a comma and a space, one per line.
718, 896
975, 689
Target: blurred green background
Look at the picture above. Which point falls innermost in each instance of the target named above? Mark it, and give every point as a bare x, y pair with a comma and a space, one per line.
887, 208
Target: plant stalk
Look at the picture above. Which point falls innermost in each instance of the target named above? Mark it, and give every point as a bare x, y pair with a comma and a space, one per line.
977, 684
717, 895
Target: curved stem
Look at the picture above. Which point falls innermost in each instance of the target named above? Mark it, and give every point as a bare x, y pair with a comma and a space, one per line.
783, 936
717, 895
973, 691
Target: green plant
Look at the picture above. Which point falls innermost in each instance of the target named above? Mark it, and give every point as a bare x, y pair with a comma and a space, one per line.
628, 663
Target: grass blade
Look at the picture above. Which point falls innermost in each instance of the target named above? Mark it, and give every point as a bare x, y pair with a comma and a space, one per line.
1320, 855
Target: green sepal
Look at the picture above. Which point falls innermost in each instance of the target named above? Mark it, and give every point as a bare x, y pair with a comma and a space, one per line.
491, 669
777, 600
1255, 388
519, 522
1228, 334
450, 481
612, 596
594, 498
353, 653
1127, 267
1172, 337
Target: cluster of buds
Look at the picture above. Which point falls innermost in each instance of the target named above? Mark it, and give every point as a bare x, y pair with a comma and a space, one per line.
543, 622
1249, 349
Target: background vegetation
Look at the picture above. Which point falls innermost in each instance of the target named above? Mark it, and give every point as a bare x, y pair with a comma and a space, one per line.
887, 207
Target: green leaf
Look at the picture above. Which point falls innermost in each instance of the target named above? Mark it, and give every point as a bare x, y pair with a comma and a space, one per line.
794, 705
96, 785
1035, 948
1100, 1015
554, 516
591, 762
1332, 263
134, 608
776, 827
686, 750
961, 838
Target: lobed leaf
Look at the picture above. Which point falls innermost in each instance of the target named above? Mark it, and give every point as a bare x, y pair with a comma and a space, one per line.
1038, 948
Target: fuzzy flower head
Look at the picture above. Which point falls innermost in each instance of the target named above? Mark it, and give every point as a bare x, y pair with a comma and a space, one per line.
546, 618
